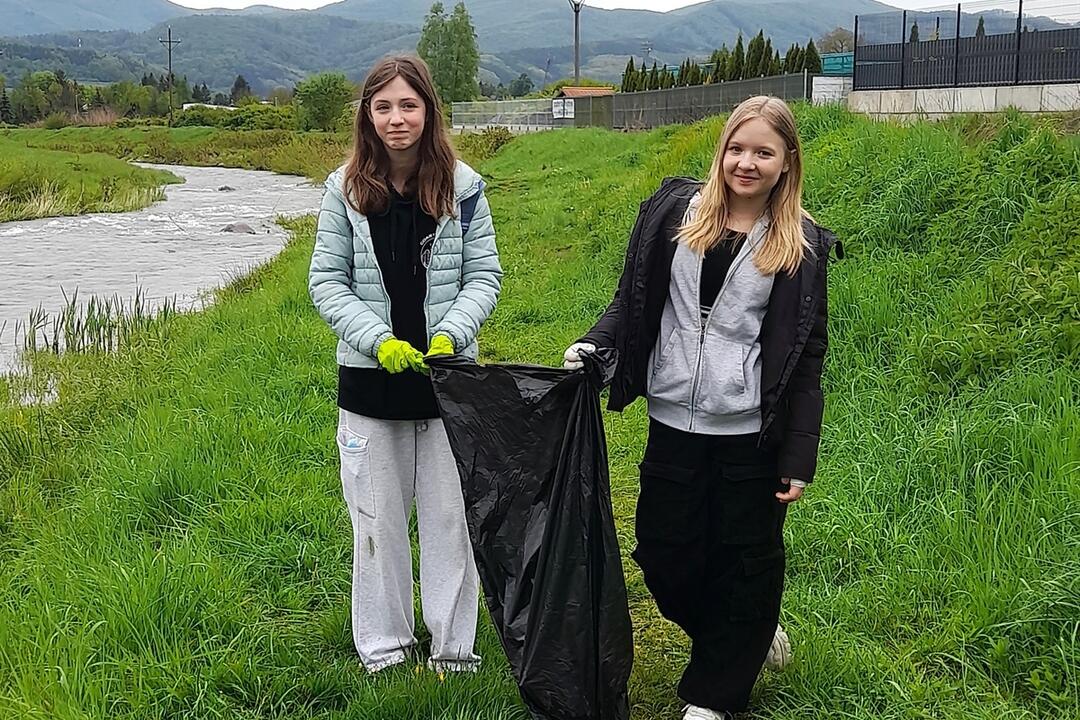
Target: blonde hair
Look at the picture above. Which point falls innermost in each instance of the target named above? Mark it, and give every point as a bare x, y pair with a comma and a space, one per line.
784, 246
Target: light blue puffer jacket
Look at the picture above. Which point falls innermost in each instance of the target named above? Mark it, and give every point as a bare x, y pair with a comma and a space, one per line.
464, 276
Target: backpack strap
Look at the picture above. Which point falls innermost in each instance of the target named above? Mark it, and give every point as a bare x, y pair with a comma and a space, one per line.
468, 209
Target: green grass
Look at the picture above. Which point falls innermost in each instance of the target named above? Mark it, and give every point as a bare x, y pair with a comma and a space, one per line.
173, 542
310, 154
37, 183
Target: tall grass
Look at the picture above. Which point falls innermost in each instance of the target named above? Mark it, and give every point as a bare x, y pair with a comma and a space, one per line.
174, 544
36, 183
312, 154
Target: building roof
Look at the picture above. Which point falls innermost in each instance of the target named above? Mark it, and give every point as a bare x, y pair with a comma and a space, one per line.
578, 92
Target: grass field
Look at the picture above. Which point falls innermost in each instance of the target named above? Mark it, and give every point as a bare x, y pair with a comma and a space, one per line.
173, 543
36, 182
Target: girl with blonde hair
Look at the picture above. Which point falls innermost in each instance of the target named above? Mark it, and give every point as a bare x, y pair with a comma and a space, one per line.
719, 321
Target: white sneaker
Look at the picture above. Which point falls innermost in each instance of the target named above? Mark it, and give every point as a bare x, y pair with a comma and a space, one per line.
780, 651
693, 712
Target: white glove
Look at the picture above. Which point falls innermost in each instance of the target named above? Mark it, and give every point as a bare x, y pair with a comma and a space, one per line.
572, 356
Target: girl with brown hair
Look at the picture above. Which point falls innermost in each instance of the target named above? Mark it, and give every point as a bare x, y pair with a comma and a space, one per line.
404, 267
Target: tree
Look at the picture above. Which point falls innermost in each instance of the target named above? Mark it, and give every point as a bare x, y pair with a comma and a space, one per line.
754, 51
667, 80
776, 68
980, 30
321, 101
240, 89
7, 116
738, 59
765, 66
790, 57
811, 59
279, 96
720, 60
522, 86
432, 46
220, 99
464, 56
654, 77
914, 33
839, 39
448, 45
628, 76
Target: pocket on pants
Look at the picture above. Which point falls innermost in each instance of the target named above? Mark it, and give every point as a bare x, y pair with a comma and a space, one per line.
356, 483
758, 584
668, 509
750, 513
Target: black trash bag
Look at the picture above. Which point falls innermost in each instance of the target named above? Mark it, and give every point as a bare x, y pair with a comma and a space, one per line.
530, 448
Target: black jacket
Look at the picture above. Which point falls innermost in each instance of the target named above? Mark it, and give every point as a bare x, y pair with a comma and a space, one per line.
794, 334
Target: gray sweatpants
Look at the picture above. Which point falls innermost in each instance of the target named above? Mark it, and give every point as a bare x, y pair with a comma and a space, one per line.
385, 464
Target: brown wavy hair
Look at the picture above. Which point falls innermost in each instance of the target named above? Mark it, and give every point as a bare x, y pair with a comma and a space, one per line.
366, 185
784, 245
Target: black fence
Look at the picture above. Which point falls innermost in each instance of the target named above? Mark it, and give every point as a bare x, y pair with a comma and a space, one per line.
962, 48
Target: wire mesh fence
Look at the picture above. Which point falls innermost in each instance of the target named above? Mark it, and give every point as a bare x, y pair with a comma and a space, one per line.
969, 44
654, 108
520, 115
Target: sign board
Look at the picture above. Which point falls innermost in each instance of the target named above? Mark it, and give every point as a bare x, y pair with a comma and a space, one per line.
562, 108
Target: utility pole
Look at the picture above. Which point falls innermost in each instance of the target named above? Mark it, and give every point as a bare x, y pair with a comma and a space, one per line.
577, 5
169, 44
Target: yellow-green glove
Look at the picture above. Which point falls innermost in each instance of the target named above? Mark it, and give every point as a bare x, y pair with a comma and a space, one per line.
440, 345
397, 356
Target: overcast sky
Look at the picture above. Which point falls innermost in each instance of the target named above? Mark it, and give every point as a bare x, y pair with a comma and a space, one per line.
641, 4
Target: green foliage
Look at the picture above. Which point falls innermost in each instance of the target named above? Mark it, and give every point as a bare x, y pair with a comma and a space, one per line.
480, 146
55, 121
737, 61
321, 100
176, 508
248, 117
811, 60
448, 45
38, 183
522, 86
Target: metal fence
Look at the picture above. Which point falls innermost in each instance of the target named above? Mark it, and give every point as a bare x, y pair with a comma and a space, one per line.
654, 108
969, 44
518, 115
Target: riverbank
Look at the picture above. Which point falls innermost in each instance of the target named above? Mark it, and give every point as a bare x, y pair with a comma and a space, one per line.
174, 542
37, 182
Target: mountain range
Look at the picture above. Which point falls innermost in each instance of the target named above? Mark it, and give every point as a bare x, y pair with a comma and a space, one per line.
109, 40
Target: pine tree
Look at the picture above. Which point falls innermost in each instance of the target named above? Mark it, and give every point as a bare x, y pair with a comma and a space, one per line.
776, 68
719, 73
240, 90
765, 65
654, 77
812, 60
738, 61
914, 33
790, 58
628, 76
754, 51
980, 30
7, 117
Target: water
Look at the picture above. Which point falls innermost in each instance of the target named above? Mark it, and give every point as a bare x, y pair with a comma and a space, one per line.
172, 249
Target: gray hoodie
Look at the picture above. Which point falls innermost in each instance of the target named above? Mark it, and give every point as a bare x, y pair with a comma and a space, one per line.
706, 373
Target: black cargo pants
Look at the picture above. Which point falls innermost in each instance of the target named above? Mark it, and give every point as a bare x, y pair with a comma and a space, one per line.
710, 544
